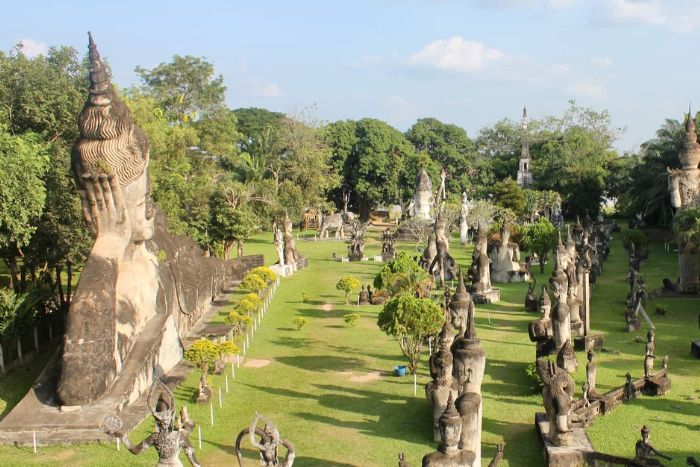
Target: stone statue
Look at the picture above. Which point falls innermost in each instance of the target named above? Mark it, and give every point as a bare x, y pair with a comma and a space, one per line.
557, 395
449, 454
388, 248
423, 199
464, 213
363, 298
279, 243
531, 296
574, 300
138, 278
356, 249
337, 221
460, 307
441, 388
561, 328
644, 452
290, 246
442, 265
479, 271
270, 440
684, 186
171, 435
629, 392
540, 330
591, 372
505, 257
649, 354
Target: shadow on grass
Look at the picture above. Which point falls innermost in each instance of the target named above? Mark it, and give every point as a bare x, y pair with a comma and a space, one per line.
311, 461
322, 362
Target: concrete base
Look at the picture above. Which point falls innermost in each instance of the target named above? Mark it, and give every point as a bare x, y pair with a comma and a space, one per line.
577, 329
491, 296
283, 271
378, 259
579, 454
593, 341
388, 257
695, 348
509, 276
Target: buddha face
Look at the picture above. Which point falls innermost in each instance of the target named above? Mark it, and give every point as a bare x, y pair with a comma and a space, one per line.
139, 208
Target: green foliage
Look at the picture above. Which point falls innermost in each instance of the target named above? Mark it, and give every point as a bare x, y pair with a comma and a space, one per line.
186, 88
403, 263
304, 297
509, 195
686, 225
266, 273
403, 275
253, 282
203, 353
227, 348
351, 318
300, 322
240, 322
411, 320
540, 237
249, 304
348, 284
637, 237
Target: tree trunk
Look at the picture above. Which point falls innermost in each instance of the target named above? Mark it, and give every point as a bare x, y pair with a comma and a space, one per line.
69, 285
59, 287
542, 264
239, 248
227, 248
11, 262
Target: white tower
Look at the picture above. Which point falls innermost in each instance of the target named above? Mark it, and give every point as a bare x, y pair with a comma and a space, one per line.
524, 174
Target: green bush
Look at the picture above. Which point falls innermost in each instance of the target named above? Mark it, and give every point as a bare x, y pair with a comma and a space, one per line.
304, 297
249, 304
635, 236
347, 284
351, 318
267, 274
300, 322
253, 282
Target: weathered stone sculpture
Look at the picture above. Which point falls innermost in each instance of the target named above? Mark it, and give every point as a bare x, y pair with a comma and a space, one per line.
171, 434
141, 290
557, 395
279, 244
449, 454
388, 248
464, 213
629, 392
591, 375
441, 388
269, 443
574, 300
531, 296
460, 307
356, 249
561, 328
480, 273
644, 452
649, 354
442, 265
540, 331
363, 298
505, 257
684, 186
291, 255
423, 199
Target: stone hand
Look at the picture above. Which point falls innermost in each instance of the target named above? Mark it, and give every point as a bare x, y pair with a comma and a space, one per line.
104, 209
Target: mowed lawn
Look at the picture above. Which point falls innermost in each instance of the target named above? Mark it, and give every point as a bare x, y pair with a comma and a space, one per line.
330, 389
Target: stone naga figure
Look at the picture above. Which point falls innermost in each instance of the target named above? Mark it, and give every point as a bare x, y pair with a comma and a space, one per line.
388, 248
356, 249
270, 440
171, 435
561, 328
644, 452
557, 395
423, 199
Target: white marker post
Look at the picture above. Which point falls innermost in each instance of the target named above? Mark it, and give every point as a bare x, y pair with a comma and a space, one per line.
415, 385
220, 401
119, 444
238, 361
34, 441
211, 413
226, 381
199, 428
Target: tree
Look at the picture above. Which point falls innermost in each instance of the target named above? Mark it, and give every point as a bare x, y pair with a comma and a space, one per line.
186, 88
411, 320
204, 354
254, 283
540, 238
23, 162
230, 225
500, 147
508, 194
403, 275
348, 284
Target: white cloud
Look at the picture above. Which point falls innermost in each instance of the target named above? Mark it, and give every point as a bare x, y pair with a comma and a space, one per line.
560, 69
602, 61
587, 88
562, 4
366, 61
456, 54
680, 16
510, 4
32, 48
265, 89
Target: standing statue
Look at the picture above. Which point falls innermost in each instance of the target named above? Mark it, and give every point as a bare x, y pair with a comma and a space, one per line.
684, 187
557, 395
531, 296
649, 354
356, 249
442, 265
629, 391
441, 388
480, 273
449, 454
540, 330
171, 435
291, 256
423, 199
279, 243
644, 452
388, 248
561, 328
591, 374
270, 440
464, 213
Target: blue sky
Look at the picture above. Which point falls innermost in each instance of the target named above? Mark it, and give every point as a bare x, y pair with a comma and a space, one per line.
465, 62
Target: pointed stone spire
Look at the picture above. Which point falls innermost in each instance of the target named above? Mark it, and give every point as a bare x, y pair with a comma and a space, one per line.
690, 154
100, 86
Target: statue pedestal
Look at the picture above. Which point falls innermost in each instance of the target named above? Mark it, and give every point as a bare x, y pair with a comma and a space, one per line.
492, 296
579, 454
283, 271
695, 348
509, 276
656, 385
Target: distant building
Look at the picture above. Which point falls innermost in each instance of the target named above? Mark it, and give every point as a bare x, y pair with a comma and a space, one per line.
524, 167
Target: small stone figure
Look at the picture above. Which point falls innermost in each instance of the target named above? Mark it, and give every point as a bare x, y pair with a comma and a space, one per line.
629, 392
464, 213
540, 330
649, 354
531, 296
168, 439
644, 452
505, 257
591, 375
388, 248
441, 388
356, 249
448, 454
363, 298
270, 440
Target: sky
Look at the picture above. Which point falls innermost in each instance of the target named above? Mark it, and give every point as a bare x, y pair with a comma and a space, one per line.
468, 62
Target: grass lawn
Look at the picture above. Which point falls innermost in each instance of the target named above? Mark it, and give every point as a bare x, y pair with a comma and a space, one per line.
330, 390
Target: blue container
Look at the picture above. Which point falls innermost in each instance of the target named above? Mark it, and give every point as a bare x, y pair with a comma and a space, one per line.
400, 370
